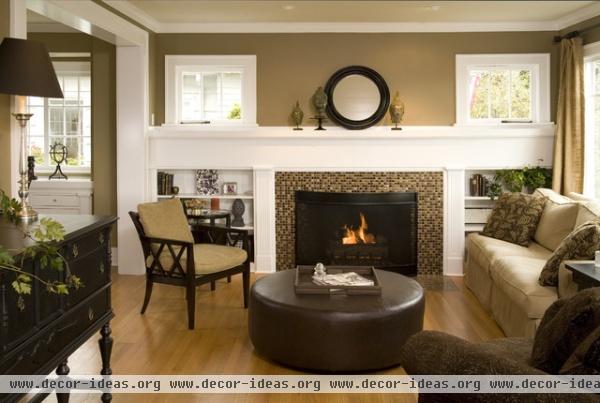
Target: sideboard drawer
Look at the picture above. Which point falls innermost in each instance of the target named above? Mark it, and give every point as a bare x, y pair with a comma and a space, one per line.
79, 247
52, 339
93, 271
54, 200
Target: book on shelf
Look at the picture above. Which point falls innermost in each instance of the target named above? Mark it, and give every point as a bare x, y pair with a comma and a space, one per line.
164, 183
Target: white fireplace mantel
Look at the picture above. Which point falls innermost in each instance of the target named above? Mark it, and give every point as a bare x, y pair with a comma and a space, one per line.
266, 150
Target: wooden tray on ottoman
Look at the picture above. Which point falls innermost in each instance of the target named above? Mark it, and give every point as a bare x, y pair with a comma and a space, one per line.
303, 283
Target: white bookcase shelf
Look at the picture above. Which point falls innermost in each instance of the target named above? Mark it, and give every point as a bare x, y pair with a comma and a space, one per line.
185, 179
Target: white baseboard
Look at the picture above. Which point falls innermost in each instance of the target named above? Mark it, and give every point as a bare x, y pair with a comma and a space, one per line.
454, 266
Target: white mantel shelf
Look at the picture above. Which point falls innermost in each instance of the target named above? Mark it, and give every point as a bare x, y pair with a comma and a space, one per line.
505, 131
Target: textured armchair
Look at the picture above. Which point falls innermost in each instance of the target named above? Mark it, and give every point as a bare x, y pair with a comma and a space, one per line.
172, 256
567, 343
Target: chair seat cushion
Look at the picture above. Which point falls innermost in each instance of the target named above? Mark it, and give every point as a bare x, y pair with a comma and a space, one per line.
485, 250
517, 278
208, 258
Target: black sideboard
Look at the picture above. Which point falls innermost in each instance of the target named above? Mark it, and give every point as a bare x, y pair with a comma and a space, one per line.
40, 337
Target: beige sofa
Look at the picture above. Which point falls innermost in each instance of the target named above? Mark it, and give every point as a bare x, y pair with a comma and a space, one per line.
504, 276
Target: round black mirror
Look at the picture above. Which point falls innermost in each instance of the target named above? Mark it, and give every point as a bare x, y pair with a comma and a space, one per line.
358, 97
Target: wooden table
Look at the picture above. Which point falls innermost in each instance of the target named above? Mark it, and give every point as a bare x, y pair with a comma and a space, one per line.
585, 275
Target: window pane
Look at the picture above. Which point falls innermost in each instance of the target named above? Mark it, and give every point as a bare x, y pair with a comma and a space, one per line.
71, 84
499, 94
86, 158
86, 126
85, 83
36, 149
72, 119
520, 94
191, 97
35, 101
212, 101
56, 121
478, 94
73, 151
232, 95
36, 123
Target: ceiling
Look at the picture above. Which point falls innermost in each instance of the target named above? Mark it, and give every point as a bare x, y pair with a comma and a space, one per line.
211, 11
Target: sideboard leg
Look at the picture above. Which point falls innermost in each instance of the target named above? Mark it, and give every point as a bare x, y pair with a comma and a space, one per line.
106, 343
63, 369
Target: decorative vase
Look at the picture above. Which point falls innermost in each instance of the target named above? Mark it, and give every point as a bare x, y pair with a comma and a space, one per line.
396, 111
297, 116
320, 101
206, 182
237, 209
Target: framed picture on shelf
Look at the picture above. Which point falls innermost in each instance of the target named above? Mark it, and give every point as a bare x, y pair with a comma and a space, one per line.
230, 188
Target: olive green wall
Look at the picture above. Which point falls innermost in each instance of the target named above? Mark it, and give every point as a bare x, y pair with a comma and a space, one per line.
104, 122
4, 111
291, 66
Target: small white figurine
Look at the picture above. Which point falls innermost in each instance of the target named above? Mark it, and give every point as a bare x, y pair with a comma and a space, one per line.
320, 270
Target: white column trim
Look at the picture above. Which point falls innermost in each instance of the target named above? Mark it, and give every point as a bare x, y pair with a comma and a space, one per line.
454, 220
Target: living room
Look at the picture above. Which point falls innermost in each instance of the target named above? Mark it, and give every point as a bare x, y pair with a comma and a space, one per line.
256, 188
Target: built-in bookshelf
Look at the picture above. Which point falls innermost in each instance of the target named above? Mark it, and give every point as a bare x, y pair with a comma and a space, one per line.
185, 180
478, 206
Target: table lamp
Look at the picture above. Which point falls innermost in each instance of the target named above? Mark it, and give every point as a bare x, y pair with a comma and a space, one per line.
26, 70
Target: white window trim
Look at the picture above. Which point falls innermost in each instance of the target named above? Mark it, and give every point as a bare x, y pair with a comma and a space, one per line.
538, 62
591, 52
174, 64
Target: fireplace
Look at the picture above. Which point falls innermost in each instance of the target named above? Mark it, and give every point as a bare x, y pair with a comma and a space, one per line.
357, 229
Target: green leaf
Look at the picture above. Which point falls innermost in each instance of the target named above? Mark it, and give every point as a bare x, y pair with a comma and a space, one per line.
5, 257
62, 289
21, 287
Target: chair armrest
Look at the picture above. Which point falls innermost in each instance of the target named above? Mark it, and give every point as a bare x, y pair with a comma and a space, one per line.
437, 353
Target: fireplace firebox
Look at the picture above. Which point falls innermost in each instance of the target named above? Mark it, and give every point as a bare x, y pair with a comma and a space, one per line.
357, 229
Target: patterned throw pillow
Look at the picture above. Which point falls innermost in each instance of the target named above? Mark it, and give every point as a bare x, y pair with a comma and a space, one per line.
580, 244
515, 218
565, 325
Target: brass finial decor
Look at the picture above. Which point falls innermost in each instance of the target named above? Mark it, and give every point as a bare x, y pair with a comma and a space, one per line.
319, 100
297, 116
396, 111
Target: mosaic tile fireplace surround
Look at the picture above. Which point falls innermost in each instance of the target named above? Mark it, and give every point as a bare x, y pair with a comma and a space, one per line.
428, 185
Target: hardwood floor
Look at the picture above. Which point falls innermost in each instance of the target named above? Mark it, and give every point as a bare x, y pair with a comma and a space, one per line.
160, 343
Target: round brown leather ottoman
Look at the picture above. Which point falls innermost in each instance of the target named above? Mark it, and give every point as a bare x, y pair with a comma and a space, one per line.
334, 332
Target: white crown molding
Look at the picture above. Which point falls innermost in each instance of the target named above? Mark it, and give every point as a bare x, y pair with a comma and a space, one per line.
135, 13
153, 24
578, 16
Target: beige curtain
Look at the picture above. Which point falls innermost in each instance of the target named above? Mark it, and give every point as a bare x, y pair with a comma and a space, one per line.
569, 141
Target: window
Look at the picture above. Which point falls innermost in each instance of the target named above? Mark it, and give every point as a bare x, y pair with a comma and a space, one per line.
502, 88
66, 121
210, 90
592, 120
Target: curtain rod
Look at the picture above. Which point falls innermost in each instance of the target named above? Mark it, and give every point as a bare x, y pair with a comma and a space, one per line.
575, 34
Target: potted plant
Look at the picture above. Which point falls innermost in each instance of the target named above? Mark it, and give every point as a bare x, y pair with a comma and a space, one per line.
44, 248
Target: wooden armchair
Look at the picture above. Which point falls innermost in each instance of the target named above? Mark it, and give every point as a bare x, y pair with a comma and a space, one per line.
172, 257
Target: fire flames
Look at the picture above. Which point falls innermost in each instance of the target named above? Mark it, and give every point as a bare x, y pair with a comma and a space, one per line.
358, 235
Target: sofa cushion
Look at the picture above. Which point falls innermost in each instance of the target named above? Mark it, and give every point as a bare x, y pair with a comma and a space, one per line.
564, 327
589, 211
517, 277
579, 244
585, 360
485, 250
552, 196
557, 221
515, 218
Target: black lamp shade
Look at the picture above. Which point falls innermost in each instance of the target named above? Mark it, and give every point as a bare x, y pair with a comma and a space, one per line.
26, 69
